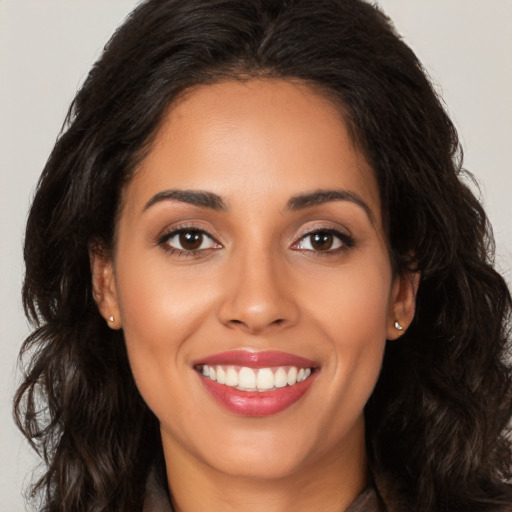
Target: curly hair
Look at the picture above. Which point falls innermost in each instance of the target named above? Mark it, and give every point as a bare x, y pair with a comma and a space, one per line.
436, 424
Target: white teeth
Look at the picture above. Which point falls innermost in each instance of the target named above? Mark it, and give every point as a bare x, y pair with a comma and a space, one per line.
246, 378
292, 376
280, 378
231, 377
265, 379
221, 375
304, 373
251, 379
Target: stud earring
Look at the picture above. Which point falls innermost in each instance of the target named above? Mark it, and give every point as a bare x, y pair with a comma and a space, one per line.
111, 318
398, 327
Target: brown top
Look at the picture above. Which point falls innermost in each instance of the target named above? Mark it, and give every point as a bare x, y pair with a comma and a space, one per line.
157, 500
367, 501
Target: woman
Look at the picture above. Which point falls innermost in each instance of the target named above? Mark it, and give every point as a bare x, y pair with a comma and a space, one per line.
258, 280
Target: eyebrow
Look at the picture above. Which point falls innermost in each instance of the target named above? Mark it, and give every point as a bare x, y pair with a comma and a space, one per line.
318, 197
213, 201
195, 197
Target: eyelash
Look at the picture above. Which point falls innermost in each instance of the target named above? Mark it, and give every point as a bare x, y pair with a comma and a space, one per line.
163, 241
345, 241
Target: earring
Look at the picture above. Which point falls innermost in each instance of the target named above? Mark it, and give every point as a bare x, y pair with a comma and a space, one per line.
398, 327
111, 318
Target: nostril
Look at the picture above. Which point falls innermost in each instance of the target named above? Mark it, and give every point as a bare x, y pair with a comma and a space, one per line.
256, 312
254, 326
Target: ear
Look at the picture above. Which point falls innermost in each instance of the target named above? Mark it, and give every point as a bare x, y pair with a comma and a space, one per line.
104, 285
403, 304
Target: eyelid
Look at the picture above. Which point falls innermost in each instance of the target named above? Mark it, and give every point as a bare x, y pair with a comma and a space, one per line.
184, 225
163, 237
314, 226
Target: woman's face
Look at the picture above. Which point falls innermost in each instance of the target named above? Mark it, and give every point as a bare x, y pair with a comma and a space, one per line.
252, 280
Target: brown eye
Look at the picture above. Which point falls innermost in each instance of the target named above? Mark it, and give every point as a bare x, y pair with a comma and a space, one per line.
188, 241
328, 241
321, 241
191, 240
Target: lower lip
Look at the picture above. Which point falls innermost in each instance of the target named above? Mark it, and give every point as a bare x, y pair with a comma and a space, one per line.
256, 403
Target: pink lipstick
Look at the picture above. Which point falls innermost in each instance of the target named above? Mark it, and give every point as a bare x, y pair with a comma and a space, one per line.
256, 383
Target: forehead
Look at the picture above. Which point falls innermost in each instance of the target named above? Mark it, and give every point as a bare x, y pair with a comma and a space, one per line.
269, 137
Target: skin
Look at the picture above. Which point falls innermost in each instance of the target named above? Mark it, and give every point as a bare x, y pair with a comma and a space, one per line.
257, 284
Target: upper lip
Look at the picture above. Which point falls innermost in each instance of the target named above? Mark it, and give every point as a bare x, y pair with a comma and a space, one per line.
263, 359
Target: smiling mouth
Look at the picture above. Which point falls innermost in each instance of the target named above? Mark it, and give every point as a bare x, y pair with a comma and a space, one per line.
244, 378
256, 384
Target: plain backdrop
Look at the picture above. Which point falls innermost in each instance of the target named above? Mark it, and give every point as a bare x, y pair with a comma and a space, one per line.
48, 46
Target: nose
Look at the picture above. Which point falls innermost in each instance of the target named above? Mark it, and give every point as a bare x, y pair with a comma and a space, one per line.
258, 295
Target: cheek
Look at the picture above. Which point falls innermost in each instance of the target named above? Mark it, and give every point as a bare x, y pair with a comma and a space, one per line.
159, 306
353, 302
160, 312
354, 315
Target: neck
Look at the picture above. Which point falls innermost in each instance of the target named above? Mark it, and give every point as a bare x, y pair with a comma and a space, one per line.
329, 483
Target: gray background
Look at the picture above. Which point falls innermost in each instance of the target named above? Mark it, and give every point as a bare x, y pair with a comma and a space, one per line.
48, 46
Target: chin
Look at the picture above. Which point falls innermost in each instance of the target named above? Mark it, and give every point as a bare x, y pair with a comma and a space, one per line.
259, 464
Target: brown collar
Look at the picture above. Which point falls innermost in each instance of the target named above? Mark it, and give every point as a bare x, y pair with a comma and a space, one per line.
367, 501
